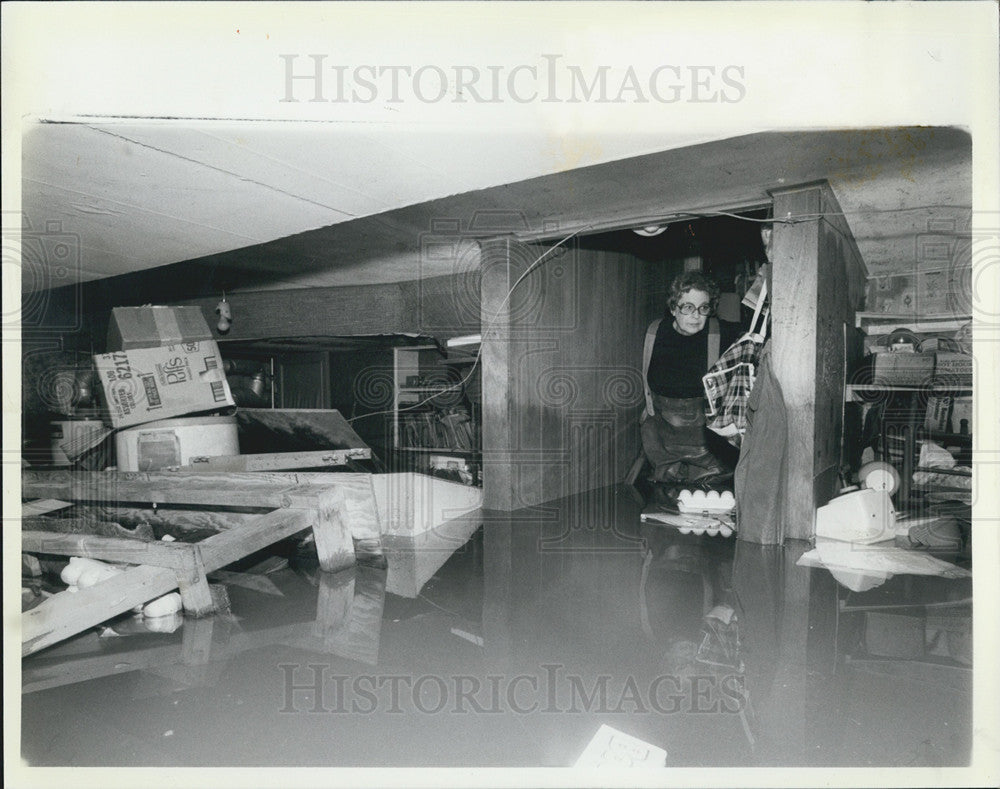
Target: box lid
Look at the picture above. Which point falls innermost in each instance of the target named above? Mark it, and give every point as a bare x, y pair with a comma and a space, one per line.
153, 326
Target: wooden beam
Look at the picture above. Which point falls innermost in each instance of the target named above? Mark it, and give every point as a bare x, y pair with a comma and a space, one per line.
67, 613
276, 461
236, 490
229, 546
173, 555
172, 520
241, 489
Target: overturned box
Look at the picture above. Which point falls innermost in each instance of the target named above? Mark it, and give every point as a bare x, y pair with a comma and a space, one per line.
152, 326
146, 384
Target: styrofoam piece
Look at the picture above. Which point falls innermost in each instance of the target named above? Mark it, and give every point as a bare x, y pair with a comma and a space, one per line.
162, 606
410, 503
861, 516
163, 624
77, 566
94, 575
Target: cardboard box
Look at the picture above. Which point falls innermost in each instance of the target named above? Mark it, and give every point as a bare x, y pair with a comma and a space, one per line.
151, 327
953, 368
938, 416
933, 292
903, 369
145, 384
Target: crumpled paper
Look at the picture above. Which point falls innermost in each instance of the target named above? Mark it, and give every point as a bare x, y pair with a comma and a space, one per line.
863, 567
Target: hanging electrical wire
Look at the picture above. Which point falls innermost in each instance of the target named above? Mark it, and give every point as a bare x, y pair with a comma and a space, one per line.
490, 326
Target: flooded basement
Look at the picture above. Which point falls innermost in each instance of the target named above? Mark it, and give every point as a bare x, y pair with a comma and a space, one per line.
508, 640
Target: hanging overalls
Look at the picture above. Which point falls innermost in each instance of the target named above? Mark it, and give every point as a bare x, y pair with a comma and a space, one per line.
673, 428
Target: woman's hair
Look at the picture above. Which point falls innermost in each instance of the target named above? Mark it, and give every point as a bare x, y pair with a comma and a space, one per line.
692, 280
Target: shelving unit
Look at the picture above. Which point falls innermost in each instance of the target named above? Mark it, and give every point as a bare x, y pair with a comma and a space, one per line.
432, 412
906, 425
883, 323
863, 393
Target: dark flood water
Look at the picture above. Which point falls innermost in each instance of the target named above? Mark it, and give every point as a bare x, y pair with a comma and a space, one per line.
507, 640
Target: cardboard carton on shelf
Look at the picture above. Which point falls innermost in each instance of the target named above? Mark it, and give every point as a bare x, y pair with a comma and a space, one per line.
953, 367
929, 292
891, 368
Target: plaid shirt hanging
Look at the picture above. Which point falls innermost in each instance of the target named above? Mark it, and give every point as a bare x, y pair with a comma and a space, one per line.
729, 381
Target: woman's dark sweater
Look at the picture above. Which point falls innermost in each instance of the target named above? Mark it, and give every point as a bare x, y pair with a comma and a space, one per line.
679, 360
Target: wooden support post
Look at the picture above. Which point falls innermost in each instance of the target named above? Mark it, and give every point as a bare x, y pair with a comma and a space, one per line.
818, 280
192, 583
335, 596
196, 641
334, 546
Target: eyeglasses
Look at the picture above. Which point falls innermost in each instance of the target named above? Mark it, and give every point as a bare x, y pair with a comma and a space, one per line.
687, 308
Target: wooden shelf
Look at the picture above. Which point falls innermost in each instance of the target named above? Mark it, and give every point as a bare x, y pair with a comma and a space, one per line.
884, 323
442, 451
860, 392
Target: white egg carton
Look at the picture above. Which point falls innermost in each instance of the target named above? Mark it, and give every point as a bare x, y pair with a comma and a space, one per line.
711, 502
712, 525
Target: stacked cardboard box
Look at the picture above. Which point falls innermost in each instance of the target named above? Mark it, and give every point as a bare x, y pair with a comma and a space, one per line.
161, 363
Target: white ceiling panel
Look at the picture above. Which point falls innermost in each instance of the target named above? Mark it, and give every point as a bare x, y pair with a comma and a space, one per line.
139, 194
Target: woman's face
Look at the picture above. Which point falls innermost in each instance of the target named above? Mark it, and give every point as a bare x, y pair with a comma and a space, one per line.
695, 322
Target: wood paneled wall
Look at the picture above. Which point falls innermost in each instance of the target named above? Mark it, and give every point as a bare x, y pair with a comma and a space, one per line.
818, 284
562, 386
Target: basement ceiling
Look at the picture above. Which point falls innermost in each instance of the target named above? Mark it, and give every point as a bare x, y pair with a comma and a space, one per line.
278, 205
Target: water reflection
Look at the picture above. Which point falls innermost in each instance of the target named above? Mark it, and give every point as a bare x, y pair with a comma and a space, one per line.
509, 639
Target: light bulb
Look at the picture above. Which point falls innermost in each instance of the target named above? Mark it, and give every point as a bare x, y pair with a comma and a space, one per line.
225, 315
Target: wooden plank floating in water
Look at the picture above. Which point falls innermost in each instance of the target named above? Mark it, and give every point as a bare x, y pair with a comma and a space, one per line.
348, 623
327, 508
277, 461
359, 499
